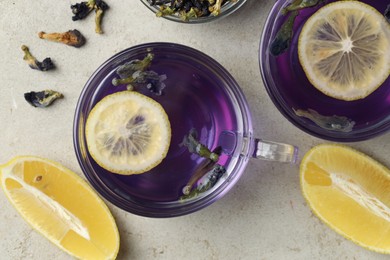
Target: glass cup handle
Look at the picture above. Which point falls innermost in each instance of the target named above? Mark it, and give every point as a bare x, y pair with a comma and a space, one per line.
273, 151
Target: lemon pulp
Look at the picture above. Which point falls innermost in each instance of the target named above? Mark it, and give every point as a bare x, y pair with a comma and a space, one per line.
349, 191
128, 133
61, 206
344, 49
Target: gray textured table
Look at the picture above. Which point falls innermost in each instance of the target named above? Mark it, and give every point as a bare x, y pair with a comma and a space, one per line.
263, 217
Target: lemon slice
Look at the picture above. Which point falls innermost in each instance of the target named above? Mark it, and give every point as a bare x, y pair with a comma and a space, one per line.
349, 191
344, 49
128, 133
61, 206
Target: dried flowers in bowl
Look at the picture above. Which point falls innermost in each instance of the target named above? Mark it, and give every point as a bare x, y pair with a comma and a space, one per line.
193, 11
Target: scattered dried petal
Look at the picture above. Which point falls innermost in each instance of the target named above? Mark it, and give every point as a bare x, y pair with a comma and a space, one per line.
81, 10
100, 8
43, 98
72, 38
45, 65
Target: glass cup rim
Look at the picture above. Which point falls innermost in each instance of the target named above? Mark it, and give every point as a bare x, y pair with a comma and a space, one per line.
226, 10
162, 210
274, 94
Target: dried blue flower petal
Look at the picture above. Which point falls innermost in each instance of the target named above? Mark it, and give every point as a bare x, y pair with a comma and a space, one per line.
45, 65
134, 73
129, 68
43, 98
83, 9
194, 146
387, 13
301, 4
333, 123
153, 81
208, 181
283, 37
188, 9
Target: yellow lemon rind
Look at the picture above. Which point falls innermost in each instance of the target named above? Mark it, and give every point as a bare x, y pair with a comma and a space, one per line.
302, 168
73, 175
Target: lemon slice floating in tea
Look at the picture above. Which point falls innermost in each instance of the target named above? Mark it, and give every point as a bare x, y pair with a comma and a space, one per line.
344, 49
61, 206
349, 191
128, 133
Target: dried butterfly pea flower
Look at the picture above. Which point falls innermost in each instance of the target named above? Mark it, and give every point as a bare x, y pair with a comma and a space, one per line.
72, 38
283, 37
129, 68
194, 146
187, 9
42, 98
301, 4
82, 10
100, 8
135, 73
45, 65
333, 123
206, 182
387, 13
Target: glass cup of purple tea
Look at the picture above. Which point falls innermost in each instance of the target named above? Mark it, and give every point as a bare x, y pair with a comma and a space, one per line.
212, 137
295, 94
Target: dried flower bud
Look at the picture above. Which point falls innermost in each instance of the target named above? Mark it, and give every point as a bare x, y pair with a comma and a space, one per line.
43, 98
72, 38
128, 69
45, 65
100, 7
81, 10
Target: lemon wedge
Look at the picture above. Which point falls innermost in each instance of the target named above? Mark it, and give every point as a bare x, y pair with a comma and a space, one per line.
344, 49
128, 133
61, 206
349, 191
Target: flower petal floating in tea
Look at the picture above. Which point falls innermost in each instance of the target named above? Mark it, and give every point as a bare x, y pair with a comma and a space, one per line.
334, 123
72, 38
283, 37
134, 73
45, 65
301, 4
43, 98
206, 182
194, 146
129, 68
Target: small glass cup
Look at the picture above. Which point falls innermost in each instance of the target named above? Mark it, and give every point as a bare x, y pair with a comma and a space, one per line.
199, 94
226, 9
306, 107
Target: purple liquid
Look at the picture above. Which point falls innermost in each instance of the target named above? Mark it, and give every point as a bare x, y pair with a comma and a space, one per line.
290, 89
193, 98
